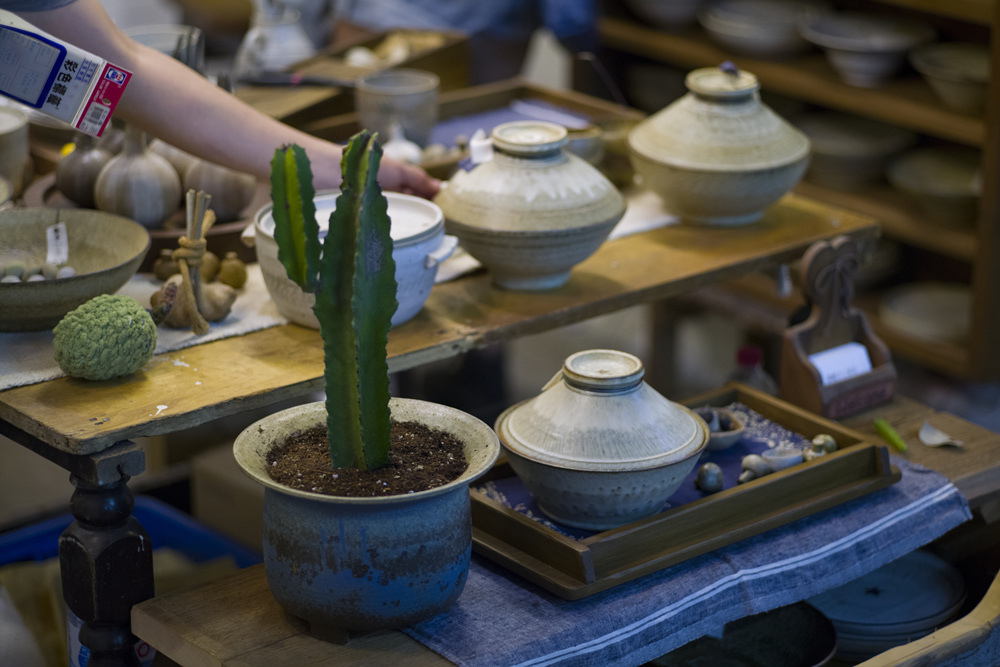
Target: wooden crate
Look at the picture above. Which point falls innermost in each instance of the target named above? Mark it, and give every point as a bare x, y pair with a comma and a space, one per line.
574, 569
299, 105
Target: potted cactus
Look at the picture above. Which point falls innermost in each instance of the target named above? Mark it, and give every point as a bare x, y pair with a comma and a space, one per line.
345, 562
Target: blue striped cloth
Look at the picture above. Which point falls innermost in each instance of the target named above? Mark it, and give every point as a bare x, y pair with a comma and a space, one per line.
501, 619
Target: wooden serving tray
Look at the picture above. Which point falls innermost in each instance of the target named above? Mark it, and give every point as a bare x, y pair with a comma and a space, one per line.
574, 569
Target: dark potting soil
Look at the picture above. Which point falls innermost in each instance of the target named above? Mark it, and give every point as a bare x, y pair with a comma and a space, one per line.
420, 458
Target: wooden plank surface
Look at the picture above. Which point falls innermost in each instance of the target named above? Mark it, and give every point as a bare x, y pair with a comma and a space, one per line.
191, 386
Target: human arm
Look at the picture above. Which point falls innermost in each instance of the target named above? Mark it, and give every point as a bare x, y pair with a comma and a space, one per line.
168, 100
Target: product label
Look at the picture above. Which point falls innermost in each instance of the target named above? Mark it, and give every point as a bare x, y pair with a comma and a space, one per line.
57, 244
65, 82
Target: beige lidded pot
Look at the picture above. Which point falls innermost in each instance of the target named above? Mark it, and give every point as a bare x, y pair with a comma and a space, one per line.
598, 447
532, 211
718, 155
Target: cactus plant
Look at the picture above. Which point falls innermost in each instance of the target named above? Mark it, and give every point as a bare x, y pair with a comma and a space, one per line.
352, 274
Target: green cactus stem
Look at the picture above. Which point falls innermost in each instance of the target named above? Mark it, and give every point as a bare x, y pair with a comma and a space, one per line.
355, 286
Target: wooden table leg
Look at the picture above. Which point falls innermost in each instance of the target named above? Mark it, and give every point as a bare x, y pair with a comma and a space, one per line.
105, 556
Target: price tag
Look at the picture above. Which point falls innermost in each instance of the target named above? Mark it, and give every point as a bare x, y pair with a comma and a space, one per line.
841, 363
58, 79
57, 244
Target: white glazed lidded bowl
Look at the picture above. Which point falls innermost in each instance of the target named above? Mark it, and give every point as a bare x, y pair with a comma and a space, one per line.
718, 155
533, 210
598, 447
419, 245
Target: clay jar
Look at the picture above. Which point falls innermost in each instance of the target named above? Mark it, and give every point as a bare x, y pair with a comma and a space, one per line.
533, 211
718, 155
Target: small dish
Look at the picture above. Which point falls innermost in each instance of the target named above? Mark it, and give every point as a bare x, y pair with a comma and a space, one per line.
865, 50
957, 72
724, 428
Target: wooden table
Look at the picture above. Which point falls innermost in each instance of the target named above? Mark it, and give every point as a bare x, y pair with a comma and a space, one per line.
236, 621
86, 426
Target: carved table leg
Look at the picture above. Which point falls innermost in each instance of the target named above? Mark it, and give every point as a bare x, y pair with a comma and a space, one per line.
105, 556
107, 566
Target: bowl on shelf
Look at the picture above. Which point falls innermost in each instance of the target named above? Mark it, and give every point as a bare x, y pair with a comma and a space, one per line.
669, 14
931, 311
419, 245
850, 152
598, 447
718, 156
103, 250
866, 50
763, 28
945, 183
957, 72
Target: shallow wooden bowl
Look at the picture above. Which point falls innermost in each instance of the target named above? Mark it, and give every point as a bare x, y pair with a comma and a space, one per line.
105, 250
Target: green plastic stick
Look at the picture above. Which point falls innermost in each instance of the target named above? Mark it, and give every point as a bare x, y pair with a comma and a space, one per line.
889, 434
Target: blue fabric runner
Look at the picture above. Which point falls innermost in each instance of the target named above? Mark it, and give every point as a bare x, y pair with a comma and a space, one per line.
502, 619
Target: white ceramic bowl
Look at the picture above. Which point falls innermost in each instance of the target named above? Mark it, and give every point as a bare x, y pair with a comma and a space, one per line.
945, 183
850, 152
419, 246
864, 49
599, 448
934, 311
764, 28
957, 72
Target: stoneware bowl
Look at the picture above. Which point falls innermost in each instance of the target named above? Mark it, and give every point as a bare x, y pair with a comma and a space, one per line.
945, 183
865, 50
532, 211
419, 246
718, 155
957, 72
850, 152
762, 28
599, 448
104, 251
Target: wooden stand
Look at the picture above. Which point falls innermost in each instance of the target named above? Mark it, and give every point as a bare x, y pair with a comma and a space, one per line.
827, 275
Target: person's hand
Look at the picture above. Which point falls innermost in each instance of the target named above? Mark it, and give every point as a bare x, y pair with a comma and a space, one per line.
407, 178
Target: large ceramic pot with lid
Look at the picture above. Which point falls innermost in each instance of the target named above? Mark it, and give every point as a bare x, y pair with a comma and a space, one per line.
532, 211
419, 245
718, 155
598, 447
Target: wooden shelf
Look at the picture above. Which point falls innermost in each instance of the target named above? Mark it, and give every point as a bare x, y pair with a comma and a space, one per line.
974, 11
907, 101
899, 220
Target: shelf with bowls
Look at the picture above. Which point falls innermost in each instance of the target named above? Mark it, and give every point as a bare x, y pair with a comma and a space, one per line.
807, 80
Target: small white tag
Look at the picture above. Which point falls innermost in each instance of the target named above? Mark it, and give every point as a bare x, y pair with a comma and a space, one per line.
480, 147
57, 246
841, 363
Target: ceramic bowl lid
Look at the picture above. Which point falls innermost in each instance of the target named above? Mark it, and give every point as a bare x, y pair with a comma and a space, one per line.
597, 414
414, 219
529, 137
721, 82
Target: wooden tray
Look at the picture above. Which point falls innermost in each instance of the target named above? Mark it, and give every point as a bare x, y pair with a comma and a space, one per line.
468, 101
574, 569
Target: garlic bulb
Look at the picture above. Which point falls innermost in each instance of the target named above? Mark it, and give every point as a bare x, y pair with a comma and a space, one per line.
76, 172
231, 190
138, 183
180, 160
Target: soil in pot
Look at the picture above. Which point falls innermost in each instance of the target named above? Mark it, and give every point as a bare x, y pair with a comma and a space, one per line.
420, 458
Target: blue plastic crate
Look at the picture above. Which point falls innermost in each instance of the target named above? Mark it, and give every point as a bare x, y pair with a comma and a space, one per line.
167, 527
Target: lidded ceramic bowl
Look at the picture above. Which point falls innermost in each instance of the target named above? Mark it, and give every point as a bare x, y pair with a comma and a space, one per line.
533, 211
718, 155
598, 447
419, 245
